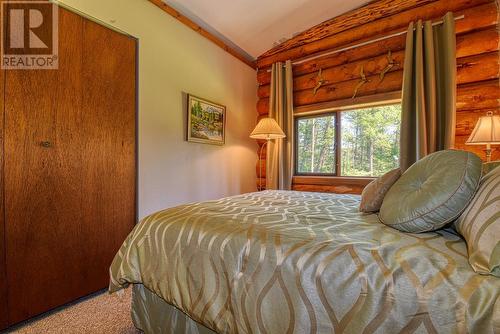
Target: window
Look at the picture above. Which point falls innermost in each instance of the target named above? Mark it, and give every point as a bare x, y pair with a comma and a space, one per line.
368, 139
316, 145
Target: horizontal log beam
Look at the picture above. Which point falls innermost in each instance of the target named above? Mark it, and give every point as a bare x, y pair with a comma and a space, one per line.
478, 42
478, 68
479, 95
466, 120
342, 90
470, 69
475, 18
468, 44
371, 12
345, 72
364, 52
349, 104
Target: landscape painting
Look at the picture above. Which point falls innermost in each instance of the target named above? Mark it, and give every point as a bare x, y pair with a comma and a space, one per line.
206, 121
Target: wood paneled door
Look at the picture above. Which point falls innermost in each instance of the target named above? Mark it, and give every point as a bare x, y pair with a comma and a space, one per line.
69, 178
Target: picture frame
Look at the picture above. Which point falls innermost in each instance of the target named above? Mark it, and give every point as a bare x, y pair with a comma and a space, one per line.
206, 122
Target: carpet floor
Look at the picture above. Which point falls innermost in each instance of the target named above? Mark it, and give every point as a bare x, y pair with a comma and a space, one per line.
100, 313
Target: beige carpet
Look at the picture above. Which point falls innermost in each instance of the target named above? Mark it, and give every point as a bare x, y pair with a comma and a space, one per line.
100, 313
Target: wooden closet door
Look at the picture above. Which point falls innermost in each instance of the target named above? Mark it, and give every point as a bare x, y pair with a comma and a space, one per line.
43, 180
109, 126
3, 273
69, 168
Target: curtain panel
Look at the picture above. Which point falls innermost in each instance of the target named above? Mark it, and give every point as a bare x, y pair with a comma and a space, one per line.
429, 90
279, 162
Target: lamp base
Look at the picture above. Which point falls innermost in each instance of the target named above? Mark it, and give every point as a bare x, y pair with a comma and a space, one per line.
260, 166
488, 151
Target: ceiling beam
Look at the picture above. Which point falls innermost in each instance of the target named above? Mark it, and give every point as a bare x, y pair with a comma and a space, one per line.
214, 39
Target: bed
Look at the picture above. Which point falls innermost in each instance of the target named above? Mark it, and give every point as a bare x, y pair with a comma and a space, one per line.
298, 262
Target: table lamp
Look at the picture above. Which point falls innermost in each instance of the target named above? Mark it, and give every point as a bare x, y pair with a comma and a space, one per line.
486, 132
267, 129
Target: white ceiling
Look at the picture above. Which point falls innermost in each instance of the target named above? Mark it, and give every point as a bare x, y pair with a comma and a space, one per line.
255, 25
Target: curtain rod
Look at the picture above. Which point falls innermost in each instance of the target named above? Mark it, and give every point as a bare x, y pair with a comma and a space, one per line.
363, 43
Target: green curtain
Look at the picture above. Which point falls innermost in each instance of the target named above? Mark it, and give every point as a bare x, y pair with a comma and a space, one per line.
429, 90
279, 161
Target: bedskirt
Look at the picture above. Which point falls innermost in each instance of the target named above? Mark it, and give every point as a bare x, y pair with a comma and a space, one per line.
153, 315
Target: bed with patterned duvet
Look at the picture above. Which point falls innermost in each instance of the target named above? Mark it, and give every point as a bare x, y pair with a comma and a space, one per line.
298, 262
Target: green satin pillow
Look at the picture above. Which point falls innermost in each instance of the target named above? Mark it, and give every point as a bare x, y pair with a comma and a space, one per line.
432, 192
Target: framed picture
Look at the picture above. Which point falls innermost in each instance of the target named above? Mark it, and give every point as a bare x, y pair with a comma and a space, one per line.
206, 121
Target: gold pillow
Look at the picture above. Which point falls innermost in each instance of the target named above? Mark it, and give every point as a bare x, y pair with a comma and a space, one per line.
374, 193
479, 224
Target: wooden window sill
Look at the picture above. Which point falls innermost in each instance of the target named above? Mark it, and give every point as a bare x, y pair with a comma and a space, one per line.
331, 184
332, 180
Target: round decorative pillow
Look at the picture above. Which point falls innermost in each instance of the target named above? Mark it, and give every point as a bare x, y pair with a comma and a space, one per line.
432, 192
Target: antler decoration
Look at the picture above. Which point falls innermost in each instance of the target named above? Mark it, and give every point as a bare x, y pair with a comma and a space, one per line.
320, 81
362, 81
390, 64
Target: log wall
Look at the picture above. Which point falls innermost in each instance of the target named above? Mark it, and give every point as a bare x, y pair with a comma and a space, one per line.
478, 71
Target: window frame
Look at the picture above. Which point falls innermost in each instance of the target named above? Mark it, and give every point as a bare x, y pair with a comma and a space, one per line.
296, 120
338, 136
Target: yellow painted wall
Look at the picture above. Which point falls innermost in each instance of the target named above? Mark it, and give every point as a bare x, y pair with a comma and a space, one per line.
174, 59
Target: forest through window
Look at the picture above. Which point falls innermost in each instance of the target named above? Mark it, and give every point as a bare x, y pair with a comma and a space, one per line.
368, 139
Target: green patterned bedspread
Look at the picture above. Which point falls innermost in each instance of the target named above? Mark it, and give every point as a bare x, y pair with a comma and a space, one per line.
300, 262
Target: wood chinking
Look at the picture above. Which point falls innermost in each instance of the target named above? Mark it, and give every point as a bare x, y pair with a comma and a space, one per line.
477, 62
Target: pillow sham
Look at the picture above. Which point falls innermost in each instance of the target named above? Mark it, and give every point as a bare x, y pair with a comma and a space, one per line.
432, 192
374, 193
480, 226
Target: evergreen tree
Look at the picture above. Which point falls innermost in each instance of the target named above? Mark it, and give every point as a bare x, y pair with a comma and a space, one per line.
369, 139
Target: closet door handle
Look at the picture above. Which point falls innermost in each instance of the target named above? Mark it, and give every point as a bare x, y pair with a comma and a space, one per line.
46, 144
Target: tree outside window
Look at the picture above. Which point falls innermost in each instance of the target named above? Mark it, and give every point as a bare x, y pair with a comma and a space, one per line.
369, 142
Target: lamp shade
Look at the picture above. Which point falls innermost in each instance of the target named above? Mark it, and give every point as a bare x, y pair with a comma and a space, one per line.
267, 128
486, 131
